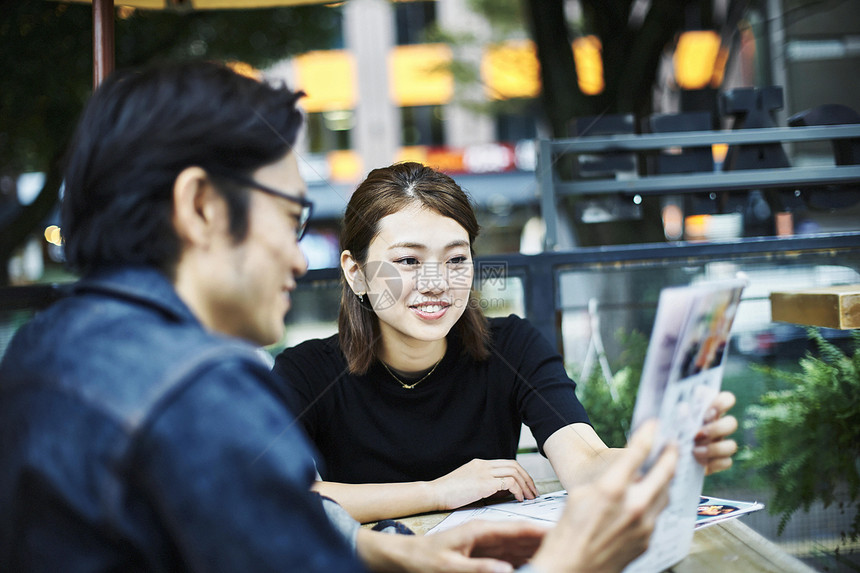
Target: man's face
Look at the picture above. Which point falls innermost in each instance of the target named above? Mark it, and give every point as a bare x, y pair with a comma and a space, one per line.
259, 273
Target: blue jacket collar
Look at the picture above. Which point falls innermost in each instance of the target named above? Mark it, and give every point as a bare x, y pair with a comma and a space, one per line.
140, 284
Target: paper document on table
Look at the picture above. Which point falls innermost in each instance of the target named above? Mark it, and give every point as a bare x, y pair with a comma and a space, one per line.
681, 376
712, 510
547, 508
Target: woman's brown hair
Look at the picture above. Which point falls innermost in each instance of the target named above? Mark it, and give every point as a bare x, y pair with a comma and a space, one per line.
386, 191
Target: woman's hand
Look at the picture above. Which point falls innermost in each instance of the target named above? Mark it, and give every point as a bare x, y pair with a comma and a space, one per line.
480, 479
712, 449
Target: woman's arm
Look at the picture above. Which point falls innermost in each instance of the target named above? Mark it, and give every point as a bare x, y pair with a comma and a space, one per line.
578, 454
475, 480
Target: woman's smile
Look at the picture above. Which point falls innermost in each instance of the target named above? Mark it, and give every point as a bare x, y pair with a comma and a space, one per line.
431, 310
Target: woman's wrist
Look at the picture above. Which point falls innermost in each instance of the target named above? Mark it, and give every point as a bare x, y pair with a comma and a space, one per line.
432, 491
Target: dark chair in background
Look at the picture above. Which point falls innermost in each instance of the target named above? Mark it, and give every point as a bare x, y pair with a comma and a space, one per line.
845, 152
686, 159
608, 165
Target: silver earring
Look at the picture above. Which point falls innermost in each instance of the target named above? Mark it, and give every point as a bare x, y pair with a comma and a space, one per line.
361, 297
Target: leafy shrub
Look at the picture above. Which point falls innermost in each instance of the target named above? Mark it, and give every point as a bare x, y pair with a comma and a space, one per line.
611, 415
809, 434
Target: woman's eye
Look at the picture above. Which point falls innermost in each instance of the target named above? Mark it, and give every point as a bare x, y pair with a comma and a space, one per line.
407, 261
458, 260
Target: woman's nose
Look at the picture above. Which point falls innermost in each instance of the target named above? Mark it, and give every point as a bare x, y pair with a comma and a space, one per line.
432, 278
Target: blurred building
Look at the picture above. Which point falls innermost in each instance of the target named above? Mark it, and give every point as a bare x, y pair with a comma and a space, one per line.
389, 90
388, 93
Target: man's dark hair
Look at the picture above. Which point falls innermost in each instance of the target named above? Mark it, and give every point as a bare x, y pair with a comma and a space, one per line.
139, 131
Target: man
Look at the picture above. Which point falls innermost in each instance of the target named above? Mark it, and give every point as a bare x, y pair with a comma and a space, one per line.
138, 428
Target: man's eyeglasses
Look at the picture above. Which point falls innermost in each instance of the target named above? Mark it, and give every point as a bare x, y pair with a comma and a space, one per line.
306, 205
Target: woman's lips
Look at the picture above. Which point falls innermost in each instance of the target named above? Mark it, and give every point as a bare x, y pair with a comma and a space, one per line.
430, 311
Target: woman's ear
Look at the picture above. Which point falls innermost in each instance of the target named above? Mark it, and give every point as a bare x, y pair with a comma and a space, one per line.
198, 210
352, 273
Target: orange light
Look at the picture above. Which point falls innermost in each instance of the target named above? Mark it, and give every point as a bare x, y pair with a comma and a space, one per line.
588, 59
420, 74
417, 153
510, 70
344, 165
445, 160
245, 69
53, 235
328, 80
720, 68
695, 59
673, 222
696, 227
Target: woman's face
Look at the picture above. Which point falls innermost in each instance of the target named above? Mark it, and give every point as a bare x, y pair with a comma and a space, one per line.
418, 275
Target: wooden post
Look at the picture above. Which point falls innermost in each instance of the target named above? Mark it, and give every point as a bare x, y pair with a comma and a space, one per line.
103, 42
831, 307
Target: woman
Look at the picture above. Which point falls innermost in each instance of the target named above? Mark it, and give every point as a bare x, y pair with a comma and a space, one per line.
417, 403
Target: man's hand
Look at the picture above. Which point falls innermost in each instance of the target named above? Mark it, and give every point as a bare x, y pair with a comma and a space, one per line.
475, 547
608, 522
712, 449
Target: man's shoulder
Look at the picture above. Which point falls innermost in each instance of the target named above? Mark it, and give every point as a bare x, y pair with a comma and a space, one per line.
116, 357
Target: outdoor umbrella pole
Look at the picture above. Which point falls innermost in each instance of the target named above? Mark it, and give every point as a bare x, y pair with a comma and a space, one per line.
103, 40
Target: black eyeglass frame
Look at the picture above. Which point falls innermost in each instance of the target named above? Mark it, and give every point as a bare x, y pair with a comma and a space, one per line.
306, 204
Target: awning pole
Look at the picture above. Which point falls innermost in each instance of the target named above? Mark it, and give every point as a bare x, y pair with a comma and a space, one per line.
103, 44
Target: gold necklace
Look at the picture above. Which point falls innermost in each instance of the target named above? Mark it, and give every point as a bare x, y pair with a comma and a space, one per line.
414, 384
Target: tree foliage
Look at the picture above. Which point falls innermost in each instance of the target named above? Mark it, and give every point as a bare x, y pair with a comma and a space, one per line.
610, 403
46, 55
633, 42
809, 434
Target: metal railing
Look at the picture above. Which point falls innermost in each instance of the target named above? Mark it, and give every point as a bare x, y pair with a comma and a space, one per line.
552, 186
541, 274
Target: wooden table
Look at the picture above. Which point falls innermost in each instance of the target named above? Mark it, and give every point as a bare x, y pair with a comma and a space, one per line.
725, 546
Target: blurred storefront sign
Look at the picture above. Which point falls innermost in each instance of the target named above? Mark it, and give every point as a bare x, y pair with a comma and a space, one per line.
345, 167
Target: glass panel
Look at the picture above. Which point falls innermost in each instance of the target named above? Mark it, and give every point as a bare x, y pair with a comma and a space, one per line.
313, 313
501, 295
626, 298
622, 298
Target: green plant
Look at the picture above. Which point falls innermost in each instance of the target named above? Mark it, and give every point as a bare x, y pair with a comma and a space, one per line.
611, 415
809, 434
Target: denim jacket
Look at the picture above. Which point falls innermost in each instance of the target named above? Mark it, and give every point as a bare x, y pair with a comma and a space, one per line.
131, 438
